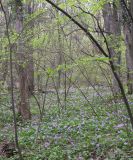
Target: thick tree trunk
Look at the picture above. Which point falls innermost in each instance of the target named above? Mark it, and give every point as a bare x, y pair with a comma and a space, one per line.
129, 61
131, 52
128, 33
30, 65
113, 30
23, 107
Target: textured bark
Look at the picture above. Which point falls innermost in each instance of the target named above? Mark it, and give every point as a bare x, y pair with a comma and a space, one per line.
23, 107
128, 33
129, 61
30, 65
113, 30
131, 52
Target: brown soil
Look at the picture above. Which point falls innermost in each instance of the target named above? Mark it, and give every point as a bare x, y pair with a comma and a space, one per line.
7, 149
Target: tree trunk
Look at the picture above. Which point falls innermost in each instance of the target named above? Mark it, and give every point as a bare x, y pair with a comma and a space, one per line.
30, 65
129, 61
23, 107
128, 33
113, 32
60, 53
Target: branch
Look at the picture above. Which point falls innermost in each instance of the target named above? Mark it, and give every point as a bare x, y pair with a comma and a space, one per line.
80, 26
104, 53
128, 11
11, 79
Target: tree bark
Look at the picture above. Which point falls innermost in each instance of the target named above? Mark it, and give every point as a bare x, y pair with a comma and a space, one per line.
24, 107
127, 9
30, 65
113, 31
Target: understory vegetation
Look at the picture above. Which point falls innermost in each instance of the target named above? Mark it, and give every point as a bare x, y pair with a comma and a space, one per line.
66, 79
75, 132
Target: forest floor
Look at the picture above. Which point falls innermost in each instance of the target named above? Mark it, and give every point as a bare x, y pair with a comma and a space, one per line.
84, 126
